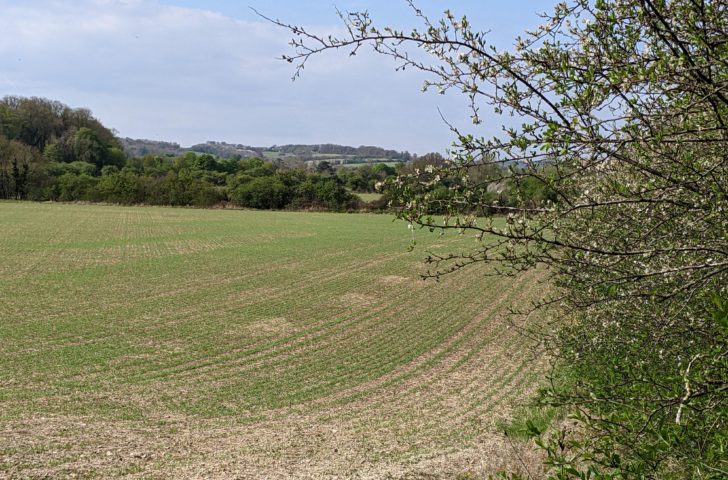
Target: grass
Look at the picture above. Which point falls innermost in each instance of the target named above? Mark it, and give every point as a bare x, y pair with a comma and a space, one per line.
267, 334
369, 197
529, 421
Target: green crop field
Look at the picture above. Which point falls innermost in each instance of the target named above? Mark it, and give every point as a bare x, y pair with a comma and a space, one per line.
146, 342
369, 197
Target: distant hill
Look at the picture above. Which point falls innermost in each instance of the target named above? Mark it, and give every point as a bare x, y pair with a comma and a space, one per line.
363, 151
336, 154
227, 150
141, 147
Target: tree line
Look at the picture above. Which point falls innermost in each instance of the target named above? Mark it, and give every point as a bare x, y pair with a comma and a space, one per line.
51, 152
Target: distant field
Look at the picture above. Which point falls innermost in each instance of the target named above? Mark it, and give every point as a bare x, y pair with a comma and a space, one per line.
371, 161
268, 154
350, 161
369, 197
179, 343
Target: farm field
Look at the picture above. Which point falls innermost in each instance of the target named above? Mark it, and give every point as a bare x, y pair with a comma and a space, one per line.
369, 197
140, 342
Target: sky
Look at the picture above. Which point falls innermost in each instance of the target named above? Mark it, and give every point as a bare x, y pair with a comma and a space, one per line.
189, 71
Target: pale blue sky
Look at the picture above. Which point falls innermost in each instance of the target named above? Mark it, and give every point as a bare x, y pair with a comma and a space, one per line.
190, 71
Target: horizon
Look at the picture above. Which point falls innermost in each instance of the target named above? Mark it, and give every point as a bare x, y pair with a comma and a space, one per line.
273, 145
188, 72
